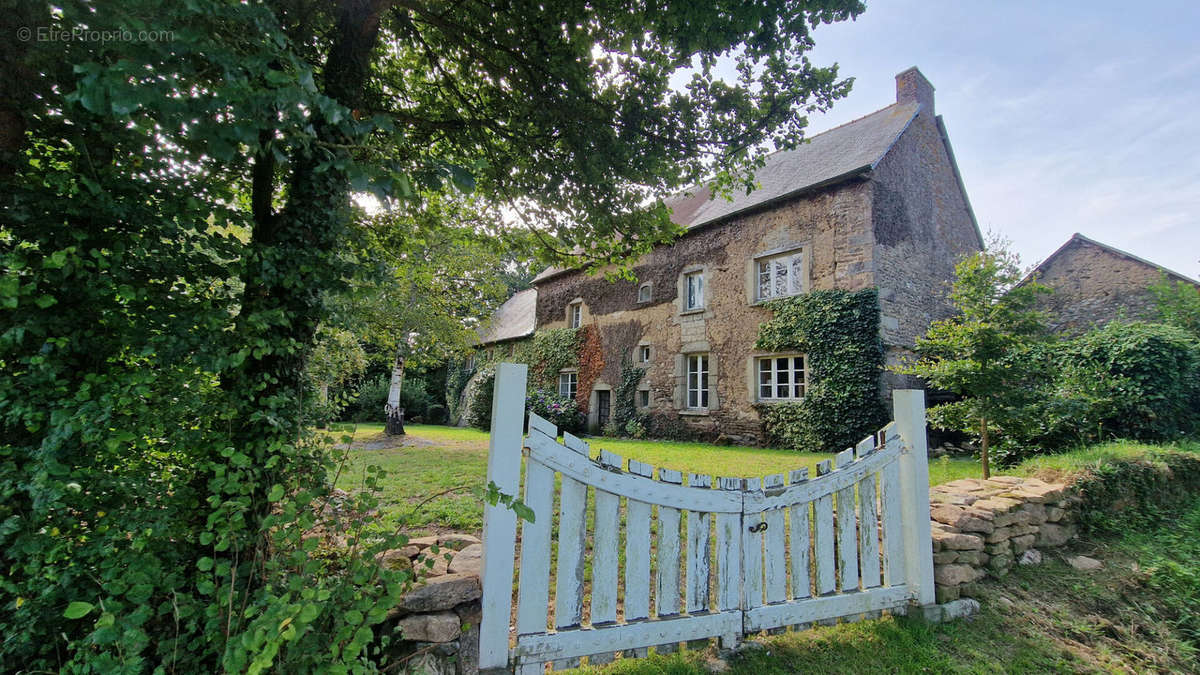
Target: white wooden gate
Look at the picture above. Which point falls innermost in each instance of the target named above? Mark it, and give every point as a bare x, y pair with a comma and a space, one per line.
670, 559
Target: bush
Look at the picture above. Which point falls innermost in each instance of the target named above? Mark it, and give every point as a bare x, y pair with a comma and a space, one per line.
369, 400
1125, 380
414, 398
479, 398
1130, 493
563, 412
436, 414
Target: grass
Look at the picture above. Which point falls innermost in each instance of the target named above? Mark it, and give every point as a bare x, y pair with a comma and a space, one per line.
1137, 614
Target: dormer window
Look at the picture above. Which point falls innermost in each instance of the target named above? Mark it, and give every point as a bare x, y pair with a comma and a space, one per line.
575, 314
779, 276
645, 292
693, 286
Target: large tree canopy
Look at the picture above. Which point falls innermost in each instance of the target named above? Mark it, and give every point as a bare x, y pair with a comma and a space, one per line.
177, 182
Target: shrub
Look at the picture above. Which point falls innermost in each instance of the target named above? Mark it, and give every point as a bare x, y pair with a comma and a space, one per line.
369, 400
414, 398
563, 412
479, 398
1125, 380
1126, 493
436, 414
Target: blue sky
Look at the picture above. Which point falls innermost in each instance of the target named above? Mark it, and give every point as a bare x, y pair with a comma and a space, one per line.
1064, 116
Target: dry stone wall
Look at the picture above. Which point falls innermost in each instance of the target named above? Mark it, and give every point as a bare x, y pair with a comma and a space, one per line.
435, 628
983, 527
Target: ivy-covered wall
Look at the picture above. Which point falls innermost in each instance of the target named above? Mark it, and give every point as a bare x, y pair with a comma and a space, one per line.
839, 332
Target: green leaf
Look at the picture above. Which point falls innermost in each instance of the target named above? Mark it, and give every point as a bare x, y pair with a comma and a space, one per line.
77, 609
276, 493
204, 564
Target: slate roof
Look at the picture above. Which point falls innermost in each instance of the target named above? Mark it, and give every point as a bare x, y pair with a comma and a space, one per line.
1078, 238
824, 159
514, 319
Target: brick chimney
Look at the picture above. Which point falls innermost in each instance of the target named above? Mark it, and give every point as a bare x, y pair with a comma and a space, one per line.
912, 87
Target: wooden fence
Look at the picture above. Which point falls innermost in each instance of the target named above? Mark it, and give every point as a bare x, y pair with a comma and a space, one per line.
665, 558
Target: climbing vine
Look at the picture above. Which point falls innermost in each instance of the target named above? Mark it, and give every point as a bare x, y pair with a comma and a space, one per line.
625, 409
838, 331
591, 363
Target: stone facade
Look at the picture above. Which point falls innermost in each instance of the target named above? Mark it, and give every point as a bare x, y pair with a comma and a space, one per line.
898, 220
1095, 283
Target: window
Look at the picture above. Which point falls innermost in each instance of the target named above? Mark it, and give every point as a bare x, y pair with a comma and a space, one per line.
470, 365
512, 349
780, 275
644, 354
643, 398
697, 381
781, 378
644, 293
575, 315
693, 291
568, 384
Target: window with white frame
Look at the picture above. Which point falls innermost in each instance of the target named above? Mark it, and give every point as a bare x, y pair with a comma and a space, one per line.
643, 355
779, 276
575, 314
568, 384
697, 381
781, 378
693, 287
644, 292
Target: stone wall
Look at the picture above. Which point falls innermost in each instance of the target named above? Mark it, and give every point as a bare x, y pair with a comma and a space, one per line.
435, 628
1094, 285
923, 227
984, 527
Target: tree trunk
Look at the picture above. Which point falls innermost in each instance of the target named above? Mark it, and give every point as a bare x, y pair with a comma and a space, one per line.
983, 446
393, 411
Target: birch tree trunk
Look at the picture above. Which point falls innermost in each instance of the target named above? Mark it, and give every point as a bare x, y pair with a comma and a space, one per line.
392, 410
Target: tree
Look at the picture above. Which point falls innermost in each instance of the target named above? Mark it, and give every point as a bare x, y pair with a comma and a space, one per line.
177, 203
438, 272
979, 354
1178, 304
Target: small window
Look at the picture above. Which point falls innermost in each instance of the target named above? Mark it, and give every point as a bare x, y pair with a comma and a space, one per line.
644, 293
643, 398
575, 315
781, 378
644, 354
780, 275
470, 365
694, 291
697, 381
568, 384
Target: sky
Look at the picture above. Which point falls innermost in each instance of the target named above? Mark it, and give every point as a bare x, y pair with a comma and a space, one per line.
1064, 116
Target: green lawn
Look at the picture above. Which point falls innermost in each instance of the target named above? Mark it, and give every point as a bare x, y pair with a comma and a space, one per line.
434, 459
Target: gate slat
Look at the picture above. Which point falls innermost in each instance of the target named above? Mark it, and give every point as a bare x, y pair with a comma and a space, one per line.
752, 553
572, 533
729, 559
667, 598
605, 561
893, 535
698, 551
868, 520
637, 554
775, 560
847, 532
868, 532
823, 536
534, 596
800, 541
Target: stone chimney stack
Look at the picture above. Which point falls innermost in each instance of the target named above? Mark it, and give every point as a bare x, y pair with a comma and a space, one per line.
912, 87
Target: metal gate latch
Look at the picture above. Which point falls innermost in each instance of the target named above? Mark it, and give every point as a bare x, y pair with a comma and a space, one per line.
759, 527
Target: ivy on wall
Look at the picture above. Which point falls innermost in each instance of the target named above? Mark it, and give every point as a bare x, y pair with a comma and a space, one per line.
625, 404
838, 331
591, 363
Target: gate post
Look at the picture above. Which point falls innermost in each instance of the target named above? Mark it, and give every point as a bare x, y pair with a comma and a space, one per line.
500, 522
909, 413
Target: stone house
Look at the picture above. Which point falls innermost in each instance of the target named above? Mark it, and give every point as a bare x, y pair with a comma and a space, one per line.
1095, 283
877, 202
